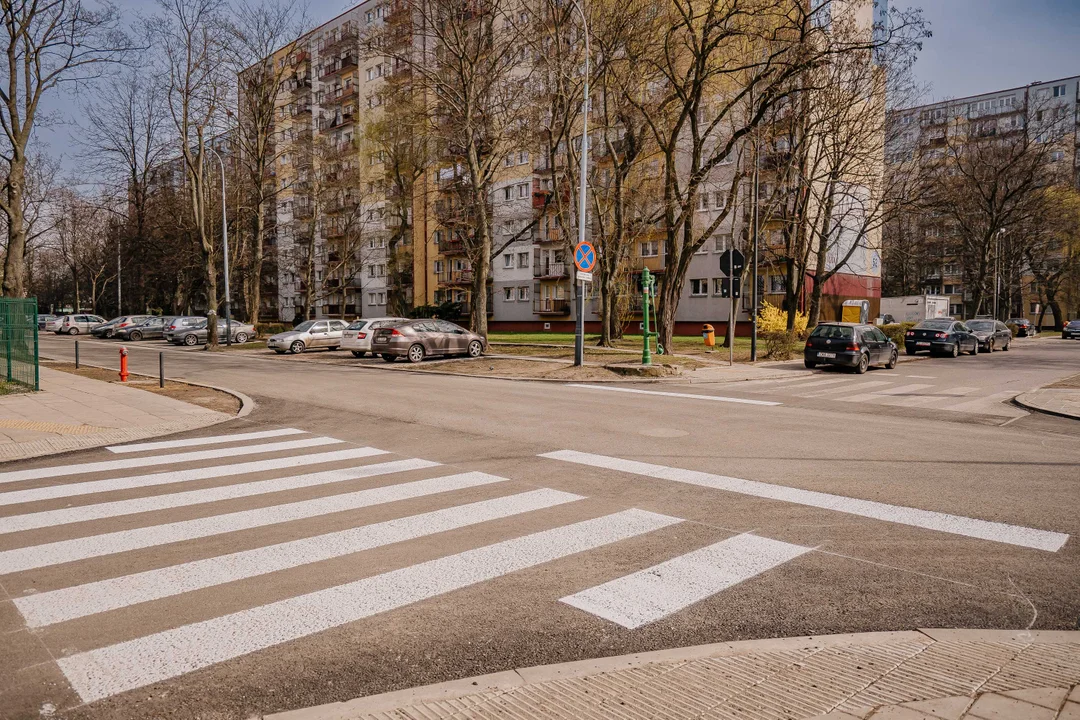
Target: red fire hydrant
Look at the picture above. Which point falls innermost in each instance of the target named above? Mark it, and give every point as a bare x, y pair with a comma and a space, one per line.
123, 365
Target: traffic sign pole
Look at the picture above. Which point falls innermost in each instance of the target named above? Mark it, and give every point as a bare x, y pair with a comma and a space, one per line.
584, 261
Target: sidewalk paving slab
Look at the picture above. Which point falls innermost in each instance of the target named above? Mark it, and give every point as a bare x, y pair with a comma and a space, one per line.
74, 413
916, 675
1064, 402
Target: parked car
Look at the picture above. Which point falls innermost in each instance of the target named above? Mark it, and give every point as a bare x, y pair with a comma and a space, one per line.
196, 334
152, 328
1071, 330
74, 324
108, 330
357, 337
992, 334
43, 320
851, 345
181, 324
1024, 327
417, 339
307, 335
943, 336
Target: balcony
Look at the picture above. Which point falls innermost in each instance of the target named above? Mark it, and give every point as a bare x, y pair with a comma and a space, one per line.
551, 306
540, 198
452, 247
338, 66
550, 270
548, 235
456, 277
347, 35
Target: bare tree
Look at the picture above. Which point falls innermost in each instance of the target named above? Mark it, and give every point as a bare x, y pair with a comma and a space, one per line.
47, 45
191, 38
260, 35
1051, 250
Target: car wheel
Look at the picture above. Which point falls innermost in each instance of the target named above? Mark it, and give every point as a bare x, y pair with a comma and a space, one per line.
135, 336
990, 346
893, 359
476, 349
240, 338
810, 364
388, 357
975, 348
416, 353
190, 340
1007, 344
358, 353
297, 347
73, 331
864, 364
955, 352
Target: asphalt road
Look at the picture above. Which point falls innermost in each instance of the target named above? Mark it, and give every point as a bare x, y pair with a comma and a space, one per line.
560, 523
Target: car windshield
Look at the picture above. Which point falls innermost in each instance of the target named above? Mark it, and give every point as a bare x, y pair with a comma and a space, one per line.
935, 324
304, 326
358, 325
981, 324
834, 332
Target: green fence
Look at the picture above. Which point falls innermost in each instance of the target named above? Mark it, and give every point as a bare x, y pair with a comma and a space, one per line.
19, 327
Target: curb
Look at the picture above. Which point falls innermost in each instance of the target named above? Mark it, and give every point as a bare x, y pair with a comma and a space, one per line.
513, 679
1028, 405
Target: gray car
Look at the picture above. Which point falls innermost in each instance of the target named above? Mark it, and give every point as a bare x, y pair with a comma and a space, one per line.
993, 334
182, 332
357, 337
418, 339
74, 324
307, 335
152, 328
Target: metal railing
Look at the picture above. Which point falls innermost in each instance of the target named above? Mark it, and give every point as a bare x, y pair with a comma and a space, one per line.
19, 330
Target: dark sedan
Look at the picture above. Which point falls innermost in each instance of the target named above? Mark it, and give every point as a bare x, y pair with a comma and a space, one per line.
850, 345
152, 328
1024, 327
993, 334
1071, 330
941, 337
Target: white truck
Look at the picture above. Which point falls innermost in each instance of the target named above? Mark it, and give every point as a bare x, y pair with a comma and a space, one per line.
915, 308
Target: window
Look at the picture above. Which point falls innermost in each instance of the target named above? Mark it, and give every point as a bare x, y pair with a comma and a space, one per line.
703, 201
523, 190
699, 287
523, 259
508, 193
723, 242
381, 298
776, 284
523, 158
508, 160
650, 248
956, 309
439, 266
717, 286
523, 293
719, 200
1059, 91
508, 260
1057, 156
508, 294
1034, 307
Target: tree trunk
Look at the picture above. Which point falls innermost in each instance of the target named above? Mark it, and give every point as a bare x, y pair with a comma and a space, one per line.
14, 260
254, 284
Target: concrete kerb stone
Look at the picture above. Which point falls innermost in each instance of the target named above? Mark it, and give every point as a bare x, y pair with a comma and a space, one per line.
1034, 401
506, 681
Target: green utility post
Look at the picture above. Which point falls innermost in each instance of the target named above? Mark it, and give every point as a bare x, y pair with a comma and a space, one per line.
647, 285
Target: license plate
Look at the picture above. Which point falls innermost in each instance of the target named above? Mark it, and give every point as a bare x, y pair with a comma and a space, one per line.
348, 335
923, 344
826, 355
380, 340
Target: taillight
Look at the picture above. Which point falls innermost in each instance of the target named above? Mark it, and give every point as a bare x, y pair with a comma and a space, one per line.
807, 343
854, 347
396, 333
941, 335
911, 333
361, 335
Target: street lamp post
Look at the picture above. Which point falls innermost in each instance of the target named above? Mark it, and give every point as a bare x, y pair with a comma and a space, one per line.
225, 243
579, 334
997, 281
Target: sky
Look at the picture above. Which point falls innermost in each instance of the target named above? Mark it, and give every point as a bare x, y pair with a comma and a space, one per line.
977, 46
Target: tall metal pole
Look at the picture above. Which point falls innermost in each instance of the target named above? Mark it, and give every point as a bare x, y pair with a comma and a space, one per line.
579, 333
225, 243
755, 231
997, 256
119, 292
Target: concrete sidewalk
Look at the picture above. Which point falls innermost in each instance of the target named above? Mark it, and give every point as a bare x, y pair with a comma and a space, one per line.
74, 413
1062, 401
917, 675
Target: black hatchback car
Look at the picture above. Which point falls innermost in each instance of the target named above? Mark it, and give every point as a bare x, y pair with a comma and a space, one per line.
993, 334
851, 345
1071, 330
941, 337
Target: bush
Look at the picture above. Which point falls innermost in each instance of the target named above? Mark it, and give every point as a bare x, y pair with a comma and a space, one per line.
778, 343
773, 319
264, 329
1013, 328
897, 331
452, 311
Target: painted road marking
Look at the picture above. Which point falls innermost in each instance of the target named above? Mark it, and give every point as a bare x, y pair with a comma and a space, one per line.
82, 600
83, 513
956, 391
106, 671
922, 377
35, 556
80, 468
899, 390
178, 476
931, 520
211, 440
692, 396
847, 388
661, 590
800, 386
990, 405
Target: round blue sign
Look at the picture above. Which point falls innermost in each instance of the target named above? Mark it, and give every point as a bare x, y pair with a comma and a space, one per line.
585, 257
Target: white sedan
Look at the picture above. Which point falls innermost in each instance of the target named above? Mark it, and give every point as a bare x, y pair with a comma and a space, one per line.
357, 337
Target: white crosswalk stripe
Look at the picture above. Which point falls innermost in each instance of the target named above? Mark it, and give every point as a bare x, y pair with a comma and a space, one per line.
656, 592
35, 556
859, 386
170, 459
52, 492
99, 673
689, 396
196, 442
942, 522
52, 518
82, 600
900, 390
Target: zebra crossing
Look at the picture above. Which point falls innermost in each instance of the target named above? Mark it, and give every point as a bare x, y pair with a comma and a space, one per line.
77, 557
896, 389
